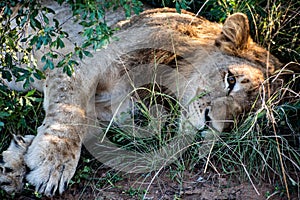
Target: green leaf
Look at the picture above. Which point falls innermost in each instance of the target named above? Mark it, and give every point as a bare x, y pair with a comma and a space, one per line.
10, 41
60, 43
87, 53
49, 64
23, 40
56, 23
88, 32
86, 44
26, 84
7, 75
31, 79
1, 125
67, 70
39, 43
30, 93
87, 24
8, 60
261, 114
178, 8
127, 10
53, 55
7, 11
34, 23
48, 10
39, 74
43, 59
27, 102
79, 53
4, 114
46, 20
33, 40
61, 63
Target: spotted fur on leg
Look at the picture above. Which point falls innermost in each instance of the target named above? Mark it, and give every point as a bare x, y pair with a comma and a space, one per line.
12, 166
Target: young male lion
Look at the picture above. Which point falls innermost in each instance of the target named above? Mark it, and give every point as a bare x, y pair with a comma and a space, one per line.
214, 72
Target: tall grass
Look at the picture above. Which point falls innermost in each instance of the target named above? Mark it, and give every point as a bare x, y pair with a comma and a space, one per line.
265, 146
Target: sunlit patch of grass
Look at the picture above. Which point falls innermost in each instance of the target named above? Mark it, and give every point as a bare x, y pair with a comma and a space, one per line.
265, 147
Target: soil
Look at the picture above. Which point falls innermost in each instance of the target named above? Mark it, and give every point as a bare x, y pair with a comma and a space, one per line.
95, 181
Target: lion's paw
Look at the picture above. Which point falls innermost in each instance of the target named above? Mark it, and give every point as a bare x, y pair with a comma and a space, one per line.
13, 168
52, 161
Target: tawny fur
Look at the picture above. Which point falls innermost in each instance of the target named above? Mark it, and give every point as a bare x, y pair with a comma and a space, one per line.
13, 168
202, 51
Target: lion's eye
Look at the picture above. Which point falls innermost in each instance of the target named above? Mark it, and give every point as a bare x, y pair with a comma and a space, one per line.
230, 82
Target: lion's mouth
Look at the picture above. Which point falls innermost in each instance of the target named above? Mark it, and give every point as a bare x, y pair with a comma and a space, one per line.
207, 118
207, 123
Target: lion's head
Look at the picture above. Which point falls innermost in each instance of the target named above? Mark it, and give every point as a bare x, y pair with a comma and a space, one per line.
237, 78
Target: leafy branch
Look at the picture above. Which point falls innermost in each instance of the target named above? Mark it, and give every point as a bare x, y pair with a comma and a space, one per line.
16, 58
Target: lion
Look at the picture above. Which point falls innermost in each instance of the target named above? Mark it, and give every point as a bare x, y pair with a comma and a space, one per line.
215, 72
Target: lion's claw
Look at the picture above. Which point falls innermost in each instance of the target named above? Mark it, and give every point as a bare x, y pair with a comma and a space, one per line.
52, 161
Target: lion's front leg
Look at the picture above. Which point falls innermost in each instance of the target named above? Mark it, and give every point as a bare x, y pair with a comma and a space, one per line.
54, 153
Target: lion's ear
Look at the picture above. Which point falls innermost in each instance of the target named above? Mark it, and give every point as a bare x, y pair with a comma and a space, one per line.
235, 35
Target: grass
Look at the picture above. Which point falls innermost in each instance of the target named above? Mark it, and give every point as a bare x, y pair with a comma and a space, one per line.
264, 147
253, 150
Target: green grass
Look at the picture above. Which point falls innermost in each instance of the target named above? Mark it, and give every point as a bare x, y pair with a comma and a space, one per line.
252, 150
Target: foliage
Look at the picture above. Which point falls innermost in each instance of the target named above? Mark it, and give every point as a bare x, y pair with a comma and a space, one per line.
16, 47
20, 113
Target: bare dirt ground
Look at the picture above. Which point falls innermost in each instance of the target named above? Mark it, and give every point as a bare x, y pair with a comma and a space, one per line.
95, 181
164, 188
